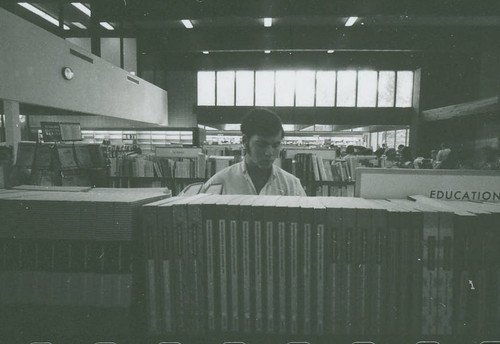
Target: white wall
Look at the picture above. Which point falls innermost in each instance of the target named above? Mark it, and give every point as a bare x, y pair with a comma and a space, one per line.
31, 60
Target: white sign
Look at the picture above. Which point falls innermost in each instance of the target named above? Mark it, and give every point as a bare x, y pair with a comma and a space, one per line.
461, 185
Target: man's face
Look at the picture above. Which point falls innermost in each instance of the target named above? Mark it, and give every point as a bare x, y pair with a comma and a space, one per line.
262, 150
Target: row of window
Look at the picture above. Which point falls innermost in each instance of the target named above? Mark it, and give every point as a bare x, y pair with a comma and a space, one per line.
348, 88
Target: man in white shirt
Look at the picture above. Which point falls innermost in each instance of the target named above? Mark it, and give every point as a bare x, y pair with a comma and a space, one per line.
256, 174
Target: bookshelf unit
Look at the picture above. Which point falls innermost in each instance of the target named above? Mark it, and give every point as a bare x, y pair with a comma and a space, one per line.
146, 139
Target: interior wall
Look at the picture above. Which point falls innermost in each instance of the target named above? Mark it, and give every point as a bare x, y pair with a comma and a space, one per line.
31, 66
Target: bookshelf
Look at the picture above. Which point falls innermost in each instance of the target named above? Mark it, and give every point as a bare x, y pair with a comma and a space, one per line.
146, 139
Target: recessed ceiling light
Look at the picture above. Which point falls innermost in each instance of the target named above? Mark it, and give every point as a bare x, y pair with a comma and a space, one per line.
79, 25
107, 26
267, 51
82, 8
350, 21
268, 22
205, 52
187, 23
330, 51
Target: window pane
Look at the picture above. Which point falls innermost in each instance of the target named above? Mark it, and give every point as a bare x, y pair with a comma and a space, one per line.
244, 88
367, 88
325, 88
386, 89
401, 137
304, 88
390, 139
225, 88
346, 88
373, 141
381, 138
404, 89
264, 88
206, 88
285, 82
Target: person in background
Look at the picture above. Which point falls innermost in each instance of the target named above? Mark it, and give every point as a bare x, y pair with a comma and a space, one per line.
405, 158
256, 174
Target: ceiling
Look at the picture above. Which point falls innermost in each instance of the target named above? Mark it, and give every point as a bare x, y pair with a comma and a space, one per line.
398, 26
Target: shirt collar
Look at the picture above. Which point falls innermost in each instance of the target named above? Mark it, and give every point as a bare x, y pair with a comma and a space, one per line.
274, 173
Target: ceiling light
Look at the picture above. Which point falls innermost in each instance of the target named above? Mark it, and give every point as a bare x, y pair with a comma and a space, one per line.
267, 51
42, 14
205, 52
330, 51
82, 8
107, 26
350, 21
187, 23
268, 22
79, 25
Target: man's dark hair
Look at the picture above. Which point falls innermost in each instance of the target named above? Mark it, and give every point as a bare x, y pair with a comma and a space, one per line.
261, 122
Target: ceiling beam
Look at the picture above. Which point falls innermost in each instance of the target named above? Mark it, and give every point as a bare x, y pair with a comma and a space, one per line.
477, 107
317, 38
293, 115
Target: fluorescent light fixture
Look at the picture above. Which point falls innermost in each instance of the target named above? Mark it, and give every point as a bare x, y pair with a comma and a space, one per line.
107, 26
82, 8
350, 21
205, 52
42, 14
267, 51
268, 22
79, 25
330, 51
187, 23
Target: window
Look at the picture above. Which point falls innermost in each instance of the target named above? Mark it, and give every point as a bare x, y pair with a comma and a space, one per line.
264, 88
306, 88
346, 88
225, 88
404, 89
285, 82
386, 84
206, 88
325, 88
244, 88
367, 89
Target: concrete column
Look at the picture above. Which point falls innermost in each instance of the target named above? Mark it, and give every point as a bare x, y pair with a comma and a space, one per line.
12, 124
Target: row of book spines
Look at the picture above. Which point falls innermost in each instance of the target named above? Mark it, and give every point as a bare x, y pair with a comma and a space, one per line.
66, 256
222, 278
65, 289
309, 167
330, 190
158, 167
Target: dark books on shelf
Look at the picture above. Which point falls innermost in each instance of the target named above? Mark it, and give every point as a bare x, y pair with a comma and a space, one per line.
321, 266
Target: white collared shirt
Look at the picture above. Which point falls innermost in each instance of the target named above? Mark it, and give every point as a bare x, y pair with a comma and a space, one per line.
235, 180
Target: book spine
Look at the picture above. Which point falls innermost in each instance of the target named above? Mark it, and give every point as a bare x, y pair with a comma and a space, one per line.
363, 272
258, 277
234, 253
246, 275
282, 275
179, 276
404, 247
445, 274
320, 277
429, 275
349, 218
209, 240
269, 257
294, 281
306, 278
223, 276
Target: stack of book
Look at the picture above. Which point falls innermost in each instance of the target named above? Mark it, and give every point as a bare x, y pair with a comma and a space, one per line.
321, 266
71, 254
